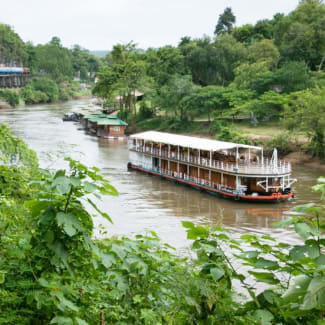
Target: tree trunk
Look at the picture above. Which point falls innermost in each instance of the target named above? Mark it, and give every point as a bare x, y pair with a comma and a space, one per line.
102, 317
321, 63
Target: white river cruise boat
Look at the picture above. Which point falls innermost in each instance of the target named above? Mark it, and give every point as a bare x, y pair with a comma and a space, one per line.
230, 170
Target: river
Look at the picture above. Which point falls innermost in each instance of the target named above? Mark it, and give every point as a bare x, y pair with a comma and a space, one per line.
145, 202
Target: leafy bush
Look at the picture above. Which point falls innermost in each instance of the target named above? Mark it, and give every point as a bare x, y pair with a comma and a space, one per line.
293, 276
226, 132
32, 96
145, 112
11, 97
283, 143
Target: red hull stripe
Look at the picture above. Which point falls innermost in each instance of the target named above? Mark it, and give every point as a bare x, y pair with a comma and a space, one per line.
246, 197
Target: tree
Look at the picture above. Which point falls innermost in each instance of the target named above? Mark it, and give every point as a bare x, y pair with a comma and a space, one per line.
306, 112
255, 76
205, 100
225, 22
202, 61
163, 63
54, 59
293, 76
84, 63
269, 105
304, 38
228, 55
265, 51
244, 34
172, 96
12, 47
122, 77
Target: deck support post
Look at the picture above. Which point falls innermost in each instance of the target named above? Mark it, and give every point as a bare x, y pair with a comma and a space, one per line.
222, 179
177, 152
151, 147
237, 156
267, 184
178, 169
237, 183
262, 158
210, 177
199, 162
210, 158
249, 156
168, 150
160, 150
198, 172
188, 154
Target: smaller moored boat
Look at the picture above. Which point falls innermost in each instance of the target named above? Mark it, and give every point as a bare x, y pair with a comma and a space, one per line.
230, 170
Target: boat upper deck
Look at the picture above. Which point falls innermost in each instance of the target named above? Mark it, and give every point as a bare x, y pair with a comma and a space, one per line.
226, 157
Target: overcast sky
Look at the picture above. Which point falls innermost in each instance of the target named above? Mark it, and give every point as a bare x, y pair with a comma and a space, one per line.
99, 24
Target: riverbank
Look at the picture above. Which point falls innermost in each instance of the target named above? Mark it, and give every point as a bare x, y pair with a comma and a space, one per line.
10, 98
4, 105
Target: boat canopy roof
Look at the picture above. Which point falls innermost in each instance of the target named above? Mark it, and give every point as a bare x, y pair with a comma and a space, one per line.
189, 142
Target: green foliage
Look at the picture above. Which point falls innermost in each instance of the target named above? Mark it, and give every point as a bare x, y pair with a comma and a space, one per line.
227, 132
145, 112
56, 273
174, 95
305, 112
293, 275
11, 45
269, 105
54, 59
283, 142
11, 97
265, 51
15, 151
225, 22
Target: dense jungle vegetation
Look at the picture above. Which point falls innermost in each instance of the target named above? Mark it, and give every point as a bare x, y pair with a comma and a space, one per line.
53, 271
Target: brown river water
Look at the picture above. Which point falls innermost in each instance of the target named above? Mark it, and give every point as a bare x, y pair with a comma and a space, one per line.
146, 202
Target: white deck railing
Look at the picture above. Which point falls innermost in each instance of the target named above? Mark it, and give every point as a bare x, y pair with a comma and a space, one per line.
188, 178
243, 167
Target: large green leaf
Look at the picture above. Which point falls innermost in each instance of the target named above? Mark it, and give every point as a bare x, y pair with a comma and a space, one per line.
69, 222
60, 320
297, 289
264, 277
89, 187
299, 253
103, 214
315, 297
303, 230
266, 264
263, 317
80, 321
217, 273
62, 184
197, 232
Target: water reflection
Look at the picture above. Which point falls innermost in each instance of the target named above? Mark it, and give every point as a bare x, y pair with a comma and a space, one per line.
145, 202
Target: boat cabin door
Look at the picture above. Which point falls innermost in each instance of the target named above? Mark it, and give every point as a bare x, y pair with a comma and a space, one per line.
155, 162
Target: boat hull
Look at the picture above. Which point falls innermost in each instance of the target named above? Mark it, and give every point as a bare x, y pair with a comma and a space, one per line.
275, 198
